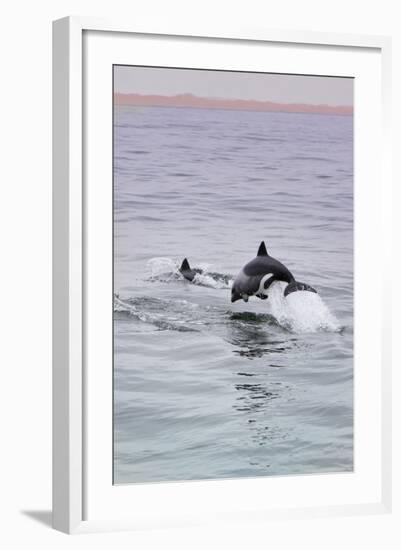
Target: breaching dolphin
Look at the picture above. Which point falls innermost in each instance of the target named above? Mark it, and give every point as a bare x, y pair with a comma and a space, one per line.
255, 278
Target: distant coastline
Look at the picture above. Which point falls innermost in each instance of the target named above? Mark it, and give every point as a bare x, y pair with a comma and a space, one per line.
189, 100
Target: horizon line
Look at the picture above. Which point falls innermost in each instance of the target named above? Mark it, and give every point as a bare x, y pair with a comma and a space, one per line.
191, 100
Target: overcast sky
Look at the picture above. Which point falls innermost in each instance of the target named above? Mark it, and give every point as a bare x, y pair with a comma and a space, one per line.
312, 90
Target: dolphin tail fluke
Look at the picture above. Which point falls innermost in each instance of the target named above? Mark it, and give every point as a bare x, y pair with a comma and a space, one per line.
295, 286
185, 265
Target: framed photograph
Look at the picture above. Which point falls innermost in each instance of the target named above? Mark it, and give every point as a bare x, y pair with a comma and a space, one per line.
220, 340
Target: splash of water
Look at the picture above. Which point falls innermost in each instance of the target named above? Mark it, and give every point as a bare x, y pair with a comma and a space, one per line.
213, 280
300, 312
163, 269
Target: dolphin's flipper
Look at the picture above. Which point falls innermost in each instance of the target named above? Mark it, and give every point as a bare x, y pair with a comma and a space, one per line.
296, 285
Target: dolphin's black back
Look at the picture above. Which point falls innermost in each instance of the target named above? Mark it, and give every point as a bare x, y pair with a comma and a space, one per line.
266, 264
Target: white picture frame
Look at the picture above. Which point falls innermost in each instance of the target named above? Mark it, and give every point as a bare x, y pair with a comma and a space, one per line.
80, 484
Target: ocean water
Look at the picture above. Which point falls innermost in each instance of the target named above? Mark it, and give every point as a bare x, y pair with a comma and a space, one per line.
203, 388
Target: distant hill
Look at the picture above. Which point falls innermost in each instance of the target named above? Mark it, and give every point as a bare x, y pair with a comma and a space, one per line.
189, 100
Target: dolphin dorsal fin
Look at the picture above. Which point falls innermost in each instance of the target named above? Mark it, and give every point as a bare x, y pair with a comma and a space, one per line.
262, 249
185, 265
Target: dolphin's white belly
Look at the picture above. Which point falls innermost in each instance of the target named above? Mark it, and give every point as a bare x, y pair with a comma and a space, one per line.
262, 290
250, 286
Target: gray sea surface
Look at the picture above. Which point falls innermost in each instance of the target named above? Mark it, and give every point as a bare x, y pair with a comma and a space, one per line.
203, 388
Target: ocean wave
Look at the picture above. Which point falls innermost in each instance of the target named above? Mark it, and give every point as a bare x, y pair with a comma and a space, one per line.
162, 314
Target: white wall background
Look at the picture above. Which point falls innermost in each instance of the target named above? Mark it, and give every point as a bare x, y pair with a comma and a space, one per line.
25, 218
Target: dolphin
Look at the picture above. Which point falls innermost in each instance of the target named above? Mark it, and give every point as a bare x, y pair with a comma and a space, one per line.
187, 272
256, 276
